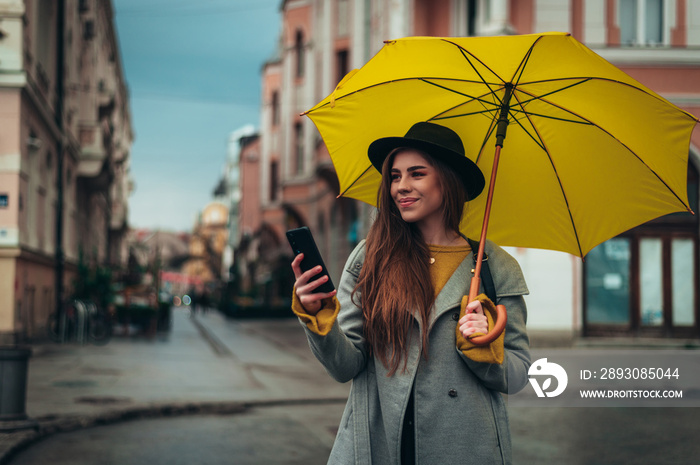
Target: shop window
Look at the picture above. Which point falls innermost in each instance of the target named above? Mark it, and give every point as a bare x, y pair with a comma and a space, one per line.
683, 284
608, 282
645, 281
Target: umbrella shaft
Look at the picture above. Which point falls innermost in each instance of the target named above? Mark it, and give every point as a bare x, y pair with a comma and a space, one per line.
484, 227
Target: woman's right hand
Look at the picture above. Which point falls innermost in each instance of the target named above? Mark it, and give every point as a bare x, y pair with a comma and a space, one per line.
310, 300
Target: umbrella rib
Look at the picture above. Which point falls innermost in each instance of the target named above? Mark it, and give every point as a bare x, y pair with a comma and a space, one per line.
540, 97
464, 53
537, 140
492, 128
622, 144
556, 118
521, 67
479, 99
416, 78
355, 181
543, 145
614, 81
438, 117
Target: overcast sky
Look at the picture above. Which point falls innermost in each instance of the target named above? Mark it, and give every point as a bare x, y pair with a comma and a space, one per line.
193, 72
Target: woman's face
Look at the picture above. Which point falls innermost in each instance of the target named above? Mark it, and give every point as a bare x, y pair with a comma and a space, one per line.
416, 188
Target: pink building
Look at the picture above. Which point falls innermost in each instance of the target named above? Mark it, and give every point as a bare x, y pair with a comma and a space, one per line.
642, 283
65, 136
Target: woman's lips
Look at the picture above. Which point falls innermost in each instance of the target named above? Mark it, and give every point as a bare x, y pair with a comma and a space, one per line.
407, 202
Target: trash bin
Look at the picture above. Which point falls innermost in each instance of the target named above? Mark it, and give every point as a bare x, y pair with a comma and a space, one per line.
13, 388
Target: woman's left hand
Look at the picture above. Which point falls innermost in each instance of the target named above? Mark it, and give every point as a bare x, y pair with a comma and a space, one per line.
474, 320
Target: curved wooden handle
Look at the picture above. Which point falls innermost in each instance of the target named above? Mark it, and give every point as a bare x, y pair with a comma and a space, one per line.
498, 327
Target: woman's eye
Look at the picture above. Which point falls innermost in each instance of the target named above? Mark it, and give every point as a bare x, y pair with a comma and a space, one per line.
395, 177
417, 174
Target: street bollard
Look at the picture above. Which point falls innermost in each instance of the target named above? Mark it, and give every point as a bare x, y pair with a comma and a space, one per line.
81, 316
13, 389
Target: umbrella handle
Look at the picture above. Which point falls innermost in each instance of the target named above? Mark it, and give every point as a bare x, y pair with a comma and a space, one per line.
498, 327
501, 317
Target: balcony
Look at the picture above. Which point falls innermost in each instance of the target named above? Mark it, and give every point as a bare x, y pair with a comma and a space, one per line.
106, 90
93, 153
119, 218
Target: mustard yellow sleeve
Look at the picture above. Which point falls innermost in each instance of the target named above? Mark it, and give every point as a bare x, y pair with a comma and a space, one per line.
322, 322
490, 353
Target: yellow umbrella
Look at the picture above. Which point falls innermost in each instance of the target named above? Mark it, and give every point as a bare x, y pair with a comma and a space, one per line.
591, 152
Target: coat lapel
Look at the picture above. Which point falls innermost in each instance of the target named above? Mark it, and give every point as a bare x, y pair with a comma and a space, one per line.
456, 287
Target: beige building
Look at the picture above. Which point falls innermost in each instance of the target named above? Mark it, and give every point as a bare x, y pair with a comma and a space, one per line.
643, 283
206, 248
65, 137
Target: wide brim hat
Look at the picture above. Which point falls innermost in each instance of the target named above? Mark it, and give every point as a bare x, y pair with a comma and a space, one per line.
439, 142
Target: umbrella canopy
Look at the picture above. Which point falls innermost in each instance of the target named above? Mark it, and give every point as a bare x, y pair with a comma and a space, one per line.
589, 153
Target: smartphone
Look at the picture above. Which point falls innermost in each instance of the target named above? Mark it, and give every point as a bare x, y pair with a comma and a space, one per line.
302, 241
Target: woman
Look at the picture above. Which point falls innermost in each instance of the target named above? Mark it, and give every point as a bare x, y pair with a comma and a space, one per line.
399, 324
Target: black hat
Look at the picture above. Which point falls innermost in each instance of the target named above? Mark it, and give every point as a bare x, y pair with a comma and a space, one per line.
437, 141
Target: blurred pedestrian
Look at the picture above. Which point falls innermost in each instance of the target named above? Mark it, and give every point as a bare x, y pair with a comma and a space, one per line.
399, 322
204, 301
194, 300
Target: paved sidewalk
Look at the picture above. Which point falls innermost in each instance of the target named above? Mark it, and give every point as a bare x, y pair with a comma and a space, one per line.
203, 365
210, 365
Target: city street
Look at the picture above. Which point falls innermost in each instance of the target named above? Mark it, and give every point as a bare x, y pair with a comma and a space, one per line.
219, 391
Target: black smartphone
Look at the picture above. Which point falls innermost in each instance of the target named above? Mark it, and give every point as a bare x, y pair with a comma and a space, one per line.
302, 241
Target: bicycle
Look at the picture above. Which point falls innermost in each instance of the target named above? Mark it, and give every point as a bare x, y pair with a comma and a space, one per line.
80, 321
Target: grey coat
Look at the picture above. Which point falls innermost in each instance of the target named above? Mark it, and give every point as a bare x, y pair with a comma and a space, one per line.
460, 415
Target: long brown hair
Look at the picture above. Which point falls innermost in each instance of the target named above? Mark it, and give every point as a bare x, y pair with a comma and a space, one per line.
395, 278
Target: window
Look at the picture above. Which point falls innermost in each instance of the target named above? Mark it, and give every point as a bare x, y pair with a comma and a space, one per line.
299, 49
343, 20
683, 284
341, 64
645, 280
275, 108
274, 180
44, 39
4, 201
641, 22
299, 147
608, 282
471, 17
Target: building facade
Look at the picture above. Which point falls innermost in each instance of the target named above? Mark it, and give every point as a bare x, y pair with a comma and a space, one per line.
229, 191
65, 138
641, 283
206, 248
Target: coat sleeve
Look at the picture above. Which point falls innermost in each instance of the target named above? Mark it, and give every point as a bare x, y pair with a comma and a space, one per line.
510, 376
342, 350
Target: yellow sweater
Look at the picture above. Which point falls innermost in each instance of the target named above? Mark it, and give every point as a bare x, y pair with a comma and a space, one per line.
445, 260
